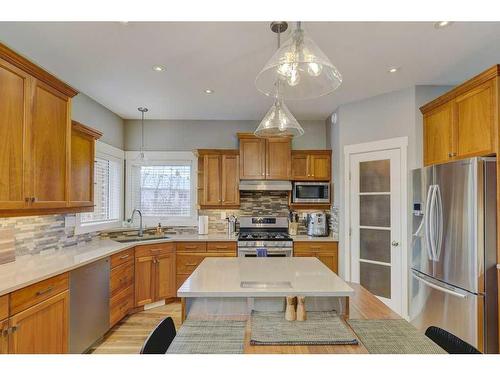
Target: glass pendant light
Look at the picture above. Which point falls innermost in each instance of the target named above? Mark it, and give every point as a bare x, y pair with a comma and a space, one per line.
142, 156
279, 121
303, 68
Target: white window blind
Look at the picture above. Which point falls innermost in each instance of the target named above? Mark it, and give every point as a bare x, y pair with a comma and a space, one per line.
107, 192
163, 190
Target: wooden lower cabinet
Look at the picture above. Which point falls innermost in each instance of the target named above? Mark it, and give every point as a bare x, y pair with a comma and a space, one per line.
154, 273
42, 328
121, 285
121, 304
4, 337
326, 252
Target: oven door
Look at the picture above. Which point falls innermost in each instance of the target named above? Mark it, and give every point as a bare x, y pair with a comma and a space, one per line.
251, 252
311, 192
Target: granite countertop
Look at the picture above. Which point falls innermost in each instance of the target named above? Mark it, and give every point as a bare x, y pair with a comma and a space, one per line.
278, 277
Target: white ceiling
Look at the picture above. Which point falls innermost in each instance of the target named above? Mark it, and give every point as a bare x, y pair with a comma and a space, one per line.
112, 62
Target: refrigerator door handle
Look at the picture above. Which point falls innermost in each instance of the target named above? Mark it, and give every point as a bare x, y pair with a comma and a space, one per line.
432, 223
426, 221
439, 210
438, 287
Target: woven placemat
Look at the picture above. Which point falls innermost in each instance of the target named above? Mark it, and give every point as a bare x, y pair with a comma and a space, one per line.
209, 337
320, 328
393, 337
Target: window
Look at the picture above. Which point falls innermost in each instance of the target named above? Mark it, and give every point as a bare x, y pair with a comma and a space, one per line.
164, 189
108, 192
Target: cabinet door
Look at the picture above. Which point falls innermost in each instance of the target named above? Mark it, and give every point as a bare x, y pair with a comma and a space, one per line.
4, 338
300, 167
329, 260
475, 121
144, 281
212, 179
82, 170
230, 180
252, 159
165, 276
320, 167
41, 329
50, 133
278, 159
14, 116
438, 135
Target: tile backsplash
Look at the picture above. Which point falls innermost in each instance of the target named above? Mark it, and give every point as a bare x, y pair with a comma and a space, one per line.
34, 234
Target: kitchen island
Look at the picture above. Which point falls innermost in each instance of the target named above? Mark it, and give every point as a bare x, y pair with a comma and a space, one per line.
233, 287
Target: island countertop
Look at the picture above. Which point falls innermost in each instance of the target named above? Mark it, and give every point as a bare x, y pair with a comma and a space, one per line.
263, 277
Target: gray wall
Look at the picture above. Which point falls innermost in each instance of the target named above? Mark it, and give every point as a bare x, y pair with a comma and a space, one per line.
183, 135
91, 113
395, 114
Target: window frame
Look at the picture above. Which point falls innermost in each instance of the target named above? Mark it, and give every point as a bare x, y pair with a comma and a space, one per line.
108, 152
162, 158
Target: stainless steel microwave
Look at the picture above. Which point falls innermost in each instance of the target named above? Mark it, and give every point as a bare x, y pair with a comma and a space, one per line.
311, 192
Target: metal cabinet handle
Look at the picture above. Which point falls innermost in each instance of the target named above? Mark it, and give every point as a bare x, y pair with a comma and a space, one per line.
125, 256
45, 291
27, 199
191, 264
191, 247
33, 199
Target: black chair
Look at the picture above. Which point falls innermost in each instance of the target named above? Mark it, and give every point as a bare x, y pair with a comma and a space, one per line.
449, 342
160, 339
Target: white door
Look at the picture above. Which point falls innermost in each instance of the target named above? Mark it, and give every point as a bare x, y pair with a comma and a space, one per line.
375, 205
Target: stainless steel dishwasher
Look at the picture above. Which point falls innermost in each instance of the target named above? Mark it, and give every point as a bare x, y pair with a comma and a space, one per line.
89, 305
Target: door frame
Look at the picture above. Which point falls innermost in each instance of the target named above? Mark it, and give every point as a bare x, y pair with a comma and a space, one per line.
401, 144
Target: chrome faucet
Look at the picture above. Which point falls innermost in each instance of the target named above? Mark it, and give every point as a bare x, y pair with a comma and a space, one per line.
140, 221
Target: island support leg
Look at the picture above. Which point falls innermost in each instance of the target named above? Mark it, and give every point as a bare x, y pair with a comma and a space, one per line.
183, 309
345, 314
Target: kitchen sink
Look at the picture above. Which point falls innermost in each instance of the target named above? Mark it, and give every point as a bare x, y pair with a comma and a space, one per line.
137, 238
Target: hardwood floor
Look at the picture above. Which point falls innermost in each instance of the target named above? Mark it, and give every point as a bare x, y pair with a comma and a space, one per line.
128, 336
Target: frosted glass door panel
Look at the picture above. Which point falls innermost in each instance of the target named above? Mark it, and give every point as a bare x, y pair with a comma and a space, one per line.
375, 176
375, 244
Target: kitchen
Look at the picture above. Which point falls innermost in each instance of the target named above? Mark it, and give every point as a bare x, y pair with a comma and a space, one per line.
304, 235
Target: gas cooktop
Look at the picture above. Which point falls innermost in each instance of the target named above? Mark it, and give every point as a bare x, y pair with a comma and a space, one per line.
264, 236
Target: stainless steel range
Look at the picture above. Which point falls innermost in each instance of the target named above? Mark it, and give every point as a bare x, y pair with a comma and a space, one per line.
264, 236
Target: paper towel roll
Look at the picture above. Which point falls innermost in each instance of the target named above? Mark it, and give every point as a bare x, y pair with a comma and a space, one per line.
202, 224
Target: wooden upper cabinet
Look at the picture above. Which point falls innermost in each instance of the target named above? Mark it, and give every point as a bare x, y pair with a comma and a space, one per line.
14, 118
252, 158
219, 175
212, 180
311, 165
230, 180
463, 122
278, 158
35, 137
50, 134
82, 165
438, 135
475, 121
42, 328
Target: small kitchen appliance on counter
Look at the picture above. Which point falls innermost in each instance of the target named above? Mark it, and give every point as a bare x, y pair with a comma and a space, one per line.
317, 224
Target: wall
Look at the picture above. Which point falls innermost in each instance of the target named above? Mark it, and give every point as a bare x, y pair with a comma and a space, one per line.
89, 112
185, 135
395, 114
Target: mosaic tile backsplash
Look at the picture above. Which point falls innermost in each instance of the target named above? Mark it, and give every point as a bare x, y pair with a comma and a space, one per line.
34, 234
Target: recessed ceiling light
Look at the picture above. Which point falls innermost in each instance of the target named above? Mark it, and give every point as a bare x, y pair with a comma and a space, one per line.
393, 69
209, 91
158, 68
442, 24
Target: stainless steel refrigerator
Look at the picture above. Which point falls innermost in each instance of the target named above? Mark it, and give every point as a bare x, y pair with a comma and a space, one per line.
453, 281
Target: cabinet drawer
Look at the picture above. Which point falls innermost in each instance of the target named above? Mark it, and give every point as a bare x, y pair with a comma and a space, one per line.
221, 246
31, 295
314, 246
187, 263
120, 305
4, 307
122, 257
121, 277
155, 249
194, 247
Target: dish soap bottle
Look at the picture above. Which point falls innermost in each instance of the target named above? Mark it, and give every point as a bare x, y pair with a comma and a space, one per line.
159, 230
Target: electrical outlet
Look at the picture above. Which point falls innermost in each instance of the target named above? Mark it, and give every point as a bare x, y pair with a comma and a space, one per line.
222, 215
69, 221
